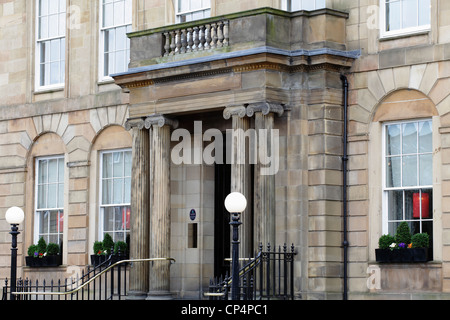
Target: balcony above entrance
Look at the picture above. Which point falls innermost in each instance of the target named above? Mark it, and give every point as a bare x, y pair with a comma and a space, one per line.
284, 41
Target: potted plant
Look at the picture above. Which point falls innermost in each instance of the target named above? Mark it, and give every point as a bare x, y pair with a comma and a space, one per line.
403, 247
419, 244
43, 255
120, 251
99, 255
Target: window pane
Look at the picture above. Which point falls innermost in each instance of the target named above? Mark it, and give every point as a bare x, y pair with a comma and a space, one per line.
393, 172
424, 12
118, 164
183, 5
395, 205
425, 137
409, 173
308, 4
43, 222
54, 73
393, 140
320, 4
195, 4
53, 170
52, 194
43, 7
108, 219
393, 19
60, 196
121, 38
106, 191
42, 196
43, 27
410, 13
127, 191
53, 221
426, 170
61, 170
410, 195
119, 11
118, 223
53, 25
53, 6
409, 138
107, 165
118, 191
108, 15
127, 158
42, 176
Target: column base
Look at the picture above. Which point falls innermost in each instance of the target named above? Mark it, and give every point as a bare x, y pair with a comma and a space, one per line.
136, 295
159, 295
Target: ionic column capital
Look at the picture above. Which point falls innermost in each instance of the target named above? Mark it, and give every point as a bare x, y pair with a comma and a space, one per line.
134, 123
160, 121
236, 110
265, 108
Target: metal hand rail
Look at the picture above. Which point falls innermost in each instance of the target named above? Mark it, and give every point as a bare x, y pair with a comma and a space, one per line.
93, 278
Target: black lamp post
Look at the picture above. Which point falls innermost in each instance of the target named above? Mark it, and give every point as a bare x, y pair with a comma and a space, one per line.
235, 203
14, 216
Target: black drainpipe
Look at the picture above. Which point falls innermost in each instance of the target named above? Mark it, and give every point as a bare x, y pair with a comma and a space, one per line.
344, 184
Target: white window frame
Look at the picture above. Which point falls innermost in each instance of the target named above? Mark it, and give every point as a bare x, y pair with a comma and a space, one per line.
400, 32
38, 44
385, 210
101, 230
179, 14
127, 23
286, 5
38, 211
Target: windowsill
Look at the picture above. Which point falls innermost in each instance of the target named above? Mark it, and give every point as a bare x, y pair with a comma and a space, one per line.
49, 89
401, 35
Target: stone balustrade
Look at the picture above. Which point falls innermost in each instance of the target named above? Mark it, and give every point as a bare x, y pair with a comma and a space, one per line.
196, 38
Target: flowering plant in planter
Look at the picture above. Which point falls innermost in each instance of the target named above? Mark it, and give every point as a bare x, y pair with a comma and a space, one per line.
403, 247
43, 255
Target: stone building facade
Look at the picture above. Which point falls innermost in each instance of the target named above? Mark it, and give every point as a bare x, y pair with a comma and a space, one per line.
274, 73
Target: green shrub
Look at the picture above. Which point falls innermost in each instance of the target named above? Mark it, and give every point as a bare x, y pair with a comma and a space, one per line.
420, 240
122, 246
42, 246
403, 234
385, 241
98, 247
108, 243
52, 249
32, 249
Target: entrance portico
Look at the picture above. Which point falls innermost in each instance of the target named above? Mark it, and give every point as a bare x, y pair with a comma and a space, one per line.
265, 93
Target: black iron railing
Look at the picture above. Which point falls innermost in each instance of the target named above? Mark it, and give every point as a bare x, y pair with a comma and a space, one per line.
270, 275
105, 281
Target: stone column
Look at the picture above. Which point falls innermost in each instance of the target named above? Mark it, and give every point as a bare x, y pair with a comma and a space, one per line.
140, 209
159, 285
240, 171
264, 189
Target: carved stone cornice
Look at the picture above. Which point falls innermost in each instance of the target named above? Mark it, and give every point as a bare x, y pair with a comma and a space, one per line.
237, 110
160, 121
135, 123
265, 108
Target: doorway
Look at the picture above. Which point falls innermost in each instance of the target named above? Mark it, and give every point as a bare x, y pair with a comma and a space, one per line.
222, 238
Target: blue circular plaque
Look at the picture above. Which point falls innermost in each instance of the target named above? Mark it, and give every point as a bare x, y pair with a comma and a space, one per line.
192, 214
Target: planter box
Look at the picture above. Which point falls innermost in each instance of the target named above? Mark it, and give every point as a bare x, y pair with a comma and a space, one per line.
402, 255
98, 259
47, 261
